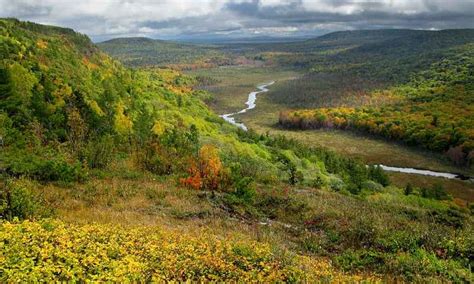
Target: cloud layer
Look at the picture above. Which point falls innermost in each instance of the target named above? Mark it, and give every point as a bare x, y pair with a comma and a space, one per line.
103, 19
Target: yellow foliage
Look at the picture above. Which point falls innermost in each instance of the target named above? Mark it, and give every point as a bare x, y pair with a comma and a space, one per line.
122, 122
51, 251
95, 107
41, 44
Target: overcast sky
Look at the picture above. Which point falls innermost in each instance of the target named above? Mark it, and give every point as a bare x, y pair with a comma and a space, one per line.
104, 19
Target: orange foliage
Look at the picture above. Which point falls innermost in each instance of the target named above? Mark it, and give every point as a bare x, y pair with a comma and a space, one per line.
208, 172
90, 65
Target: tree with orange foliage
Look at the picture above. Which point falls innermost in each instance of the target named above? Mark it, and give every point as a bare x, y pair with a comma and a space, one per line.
208, 172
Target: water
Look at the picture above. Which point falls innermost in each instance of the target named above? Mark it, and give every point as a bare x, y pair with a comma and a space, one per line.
251, 104
425, 172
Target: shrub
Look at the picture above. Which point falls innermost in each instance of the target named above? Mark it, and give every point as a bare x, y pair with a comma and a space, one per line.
208, 172
436, 192
107, 253
360, 259
377, 174
451, 217
152, 156
243, 186
336, 184
99, 152
58, 170
279, 204
318, 182
169, 152
372, 186
425, 266
47, 166
17, 200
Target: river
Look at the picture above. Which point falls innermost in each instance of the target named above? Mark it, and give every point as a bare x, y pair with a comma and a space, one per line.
252, 103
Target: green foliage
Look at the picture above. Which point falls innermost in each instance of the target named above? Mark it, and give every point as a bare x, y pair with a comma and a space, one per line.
243, 185
99, 152
422, 264
17, 200
436, 192
44, 166
450, 217
408, 189
377, 174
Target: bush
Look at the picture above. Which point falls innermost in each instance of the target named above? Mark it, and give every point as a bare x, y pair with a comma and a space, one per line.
107, 253
58, 170
420, 264
49, 166
99, 152
243, 186
170, 152
451, 217
17, 200
336, 184
360, 259
377, 174
279, 204
208, 172
372, 186
436, 192
318, 182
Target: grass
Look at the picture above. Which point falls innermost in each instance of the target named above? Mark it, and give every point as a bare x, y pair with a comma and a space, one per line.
234, 83
311, 227
462, 191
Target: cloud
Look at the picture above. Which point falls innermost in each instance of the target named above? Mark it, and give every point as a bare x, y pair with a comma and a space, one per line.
102, 19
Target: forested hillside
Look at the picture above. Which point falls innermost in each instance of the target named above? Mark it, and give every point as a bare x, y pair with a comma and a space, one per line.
352, 67
116, 174
145, 52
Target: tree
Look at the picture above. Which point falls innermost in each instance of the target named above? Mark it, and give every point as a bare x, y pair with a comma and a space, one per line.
408, 189
376, 173
17, 97
207, 172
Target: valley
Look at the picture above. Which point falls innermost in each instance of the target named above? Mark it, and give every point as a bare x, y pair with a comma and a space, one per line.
142, 160
235, 81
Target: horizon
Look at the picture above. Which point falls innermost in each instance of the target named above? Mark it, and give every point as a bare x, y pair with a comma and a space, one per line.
239, 19
223, 40
260, 38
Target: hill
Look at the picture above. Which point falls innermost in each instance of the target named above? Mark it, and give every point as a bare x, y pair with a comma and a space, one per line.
116, 174
144, 52
420, 86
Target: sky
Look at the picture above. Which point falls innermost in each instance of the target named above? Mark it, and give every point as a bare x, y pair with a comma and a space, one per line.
188, 19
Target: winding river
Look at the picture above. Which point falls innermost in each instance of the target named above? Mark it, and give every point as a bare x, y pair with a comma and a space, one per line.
251, 104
